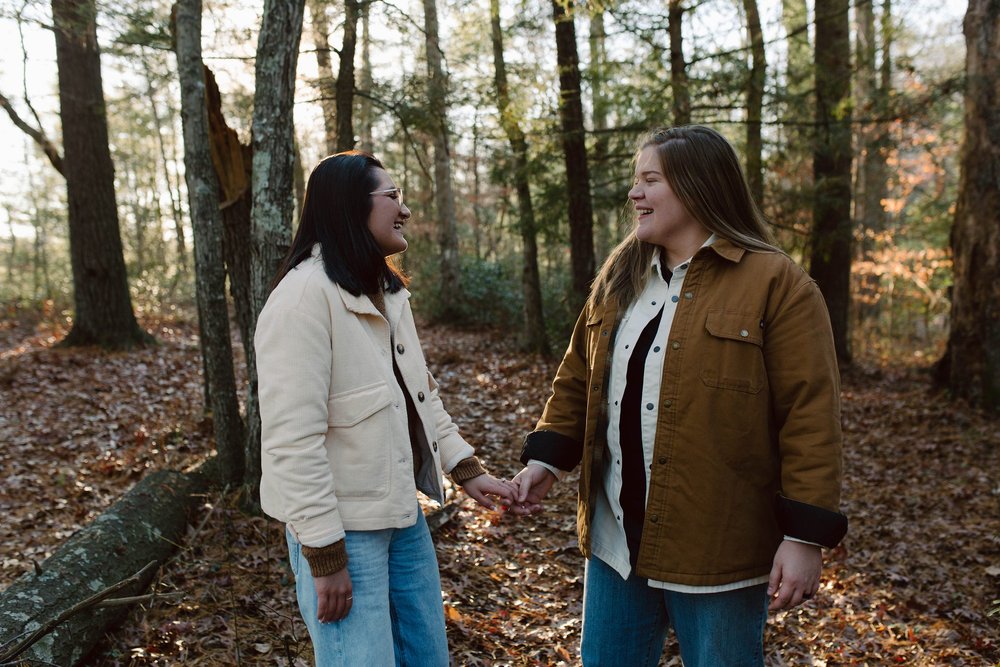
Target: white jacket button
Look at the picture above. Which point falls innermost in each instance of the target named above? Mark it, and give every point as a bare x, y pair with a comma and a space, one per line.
434, 446
400, 348
420, 396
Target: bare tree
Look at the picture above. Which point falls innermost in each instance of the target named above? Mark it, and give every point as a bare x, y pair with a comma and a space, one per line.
830, 259
326, 83
971, 365
678, 69
534, 337
345, 78
581, 217
755, 101
210, 270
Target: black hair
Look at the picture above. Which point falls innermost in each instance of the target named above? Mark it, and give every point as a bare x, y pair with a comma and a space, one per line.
335, 213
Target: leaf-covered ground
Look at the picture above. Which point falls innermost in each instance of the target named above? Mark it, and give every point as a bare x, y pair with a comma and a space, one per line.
912, 584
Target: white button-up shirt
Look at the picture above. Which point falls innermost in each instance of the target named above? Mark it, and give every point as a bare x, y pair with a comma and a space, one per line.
608, 532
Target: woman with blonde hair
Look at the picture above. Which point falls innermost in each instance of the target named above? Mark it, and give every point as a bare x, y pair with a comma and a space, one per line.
700, 396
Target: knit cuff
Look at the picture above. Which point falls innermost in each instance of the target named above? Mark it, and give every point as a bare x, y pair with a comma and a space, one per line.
466, 470
326, 560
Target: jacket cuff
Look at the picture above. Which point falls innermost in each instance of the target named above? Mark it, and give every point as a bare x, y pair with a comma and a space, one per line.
466, 470
326, 560
553, 448
810, 523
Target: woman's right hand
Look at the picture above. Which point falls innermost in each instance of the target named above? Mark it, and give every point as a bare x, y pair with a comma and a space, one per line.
335, 596
533, 484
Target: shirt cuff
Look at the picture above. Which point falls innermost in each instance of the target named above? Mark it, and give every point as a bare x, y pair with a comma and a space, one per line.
789, 538
551, 468
466, 470
326, 560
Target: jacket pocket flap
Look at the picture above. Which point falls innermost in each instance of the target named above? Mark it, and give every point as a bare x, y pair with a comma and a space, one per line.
350, 407
744, 327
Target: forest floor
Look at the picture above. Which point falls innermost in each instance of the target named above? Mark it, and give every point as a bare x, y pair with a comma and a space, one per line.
913, 583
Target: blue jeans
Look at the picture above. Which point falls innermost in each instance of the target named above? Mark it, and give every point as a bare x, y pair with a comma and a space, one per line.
625, 623
397, 617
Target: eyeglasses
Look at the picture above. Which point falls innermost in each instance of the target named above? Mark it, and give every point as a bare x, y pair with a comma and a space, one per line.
392, 193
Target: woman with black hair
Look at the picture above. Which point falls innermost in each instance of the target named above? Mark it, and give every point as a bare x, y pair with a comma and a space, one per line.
352, 427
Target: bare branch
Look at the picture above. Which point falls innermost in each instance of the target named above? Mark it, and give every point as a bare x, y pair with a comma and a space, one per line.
37, 134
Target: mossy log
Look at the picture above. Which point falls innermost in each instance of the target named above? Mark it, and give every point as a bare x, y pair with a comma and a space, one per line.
145, 525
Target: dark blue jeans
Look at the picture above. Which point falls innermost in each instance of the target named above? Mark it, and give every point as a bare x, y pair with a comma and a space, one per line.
625, 623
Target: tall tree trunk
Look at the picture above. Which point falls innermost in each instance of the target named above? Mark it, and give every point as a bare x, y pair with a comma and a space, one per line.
210, 270
345, 78
678, 69
606, 217
534, 337
830, 259
755, 101
104, 314
326, 83
365, 104
273, 180
450, 283
175, 207
581, 217
971, 365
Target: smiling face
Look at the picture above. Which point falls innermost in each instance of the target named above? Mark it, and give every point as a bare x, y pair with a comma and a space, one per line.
388, 215
662, 218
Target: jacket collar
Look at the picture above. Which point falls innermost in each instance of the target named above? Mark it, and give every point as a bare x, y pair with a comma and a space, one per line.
727, 250
362, 305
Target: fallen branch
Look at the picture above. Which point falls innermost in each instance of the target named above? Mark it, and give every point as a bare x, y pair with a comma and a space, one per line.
93, 600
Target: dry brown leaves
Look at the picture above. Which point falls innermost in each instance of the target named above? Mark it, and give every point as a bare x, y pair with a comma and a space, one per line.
912, 584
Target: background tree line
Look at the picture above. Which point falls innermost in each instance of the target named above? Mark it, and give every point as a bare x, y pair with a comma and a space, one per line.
164, 188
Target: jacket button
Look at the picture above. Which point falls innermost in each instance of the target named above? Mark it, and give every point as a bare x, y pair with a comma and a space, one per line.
649, 406
604, 333
420, 396
400, 348
667, 403
688, 295
434, 446
676, 345
654, 518
744, 333
663, 460
595, 388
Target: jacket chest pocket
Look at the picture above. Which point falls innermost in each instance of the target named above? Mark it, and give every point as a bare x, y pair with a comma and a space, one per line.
734, 356
359, 440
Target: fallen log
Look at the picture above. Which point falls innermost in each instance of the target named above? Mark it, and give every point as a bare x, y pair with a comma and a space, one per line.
144, 526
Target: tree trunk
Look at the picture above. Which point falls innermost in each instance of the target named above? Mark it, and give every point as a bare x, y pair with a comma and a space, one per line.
210, 269
971, 365
145, 525
104, 314
534, 336
450, 281
678, 69
830, 259
365, 104
326, 84
755, 102
581, 217
605, 182
273, 181
345, 78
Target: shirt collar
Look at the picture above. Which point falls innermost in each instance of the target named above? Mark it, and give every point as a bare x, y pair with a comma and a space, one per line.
658, 265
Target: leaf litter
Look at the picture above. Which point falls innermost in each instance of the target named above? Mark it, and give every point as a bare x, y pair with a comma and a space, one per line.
913, 583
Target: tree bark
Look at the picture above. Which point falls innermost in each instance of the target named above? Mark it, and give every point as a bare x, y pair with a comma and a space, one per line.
104, 314
273, 185
830, 258
971, 365
581, 217
145, 525
678, 69
755, 102
345, 78
326, 83
210, 269
365, 104
450, 282
534, 337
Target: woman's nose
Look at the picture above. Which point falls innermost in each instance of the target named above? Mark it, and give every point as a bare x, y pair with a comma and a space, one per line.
404, 211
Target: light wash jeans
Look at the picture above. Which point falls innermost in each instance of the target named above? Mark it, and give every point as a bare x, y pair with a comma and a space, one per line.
625, 623
397, 617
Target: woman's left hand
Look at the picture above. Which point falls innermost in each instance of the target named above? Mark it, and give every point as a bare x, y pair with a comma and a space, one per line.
794, 575
483, 486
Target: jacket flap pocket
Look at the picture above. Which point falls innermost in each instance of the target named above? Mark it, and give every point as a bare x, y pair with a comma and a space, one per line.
350, 407
744, 327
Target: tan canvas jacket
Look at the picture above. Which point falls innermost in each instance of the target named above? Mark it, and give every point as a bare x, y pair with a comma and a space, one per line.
748, 437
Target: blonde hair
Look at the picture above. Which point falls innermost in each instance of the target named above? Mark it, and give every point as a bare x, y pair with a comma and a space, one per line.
704, 172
